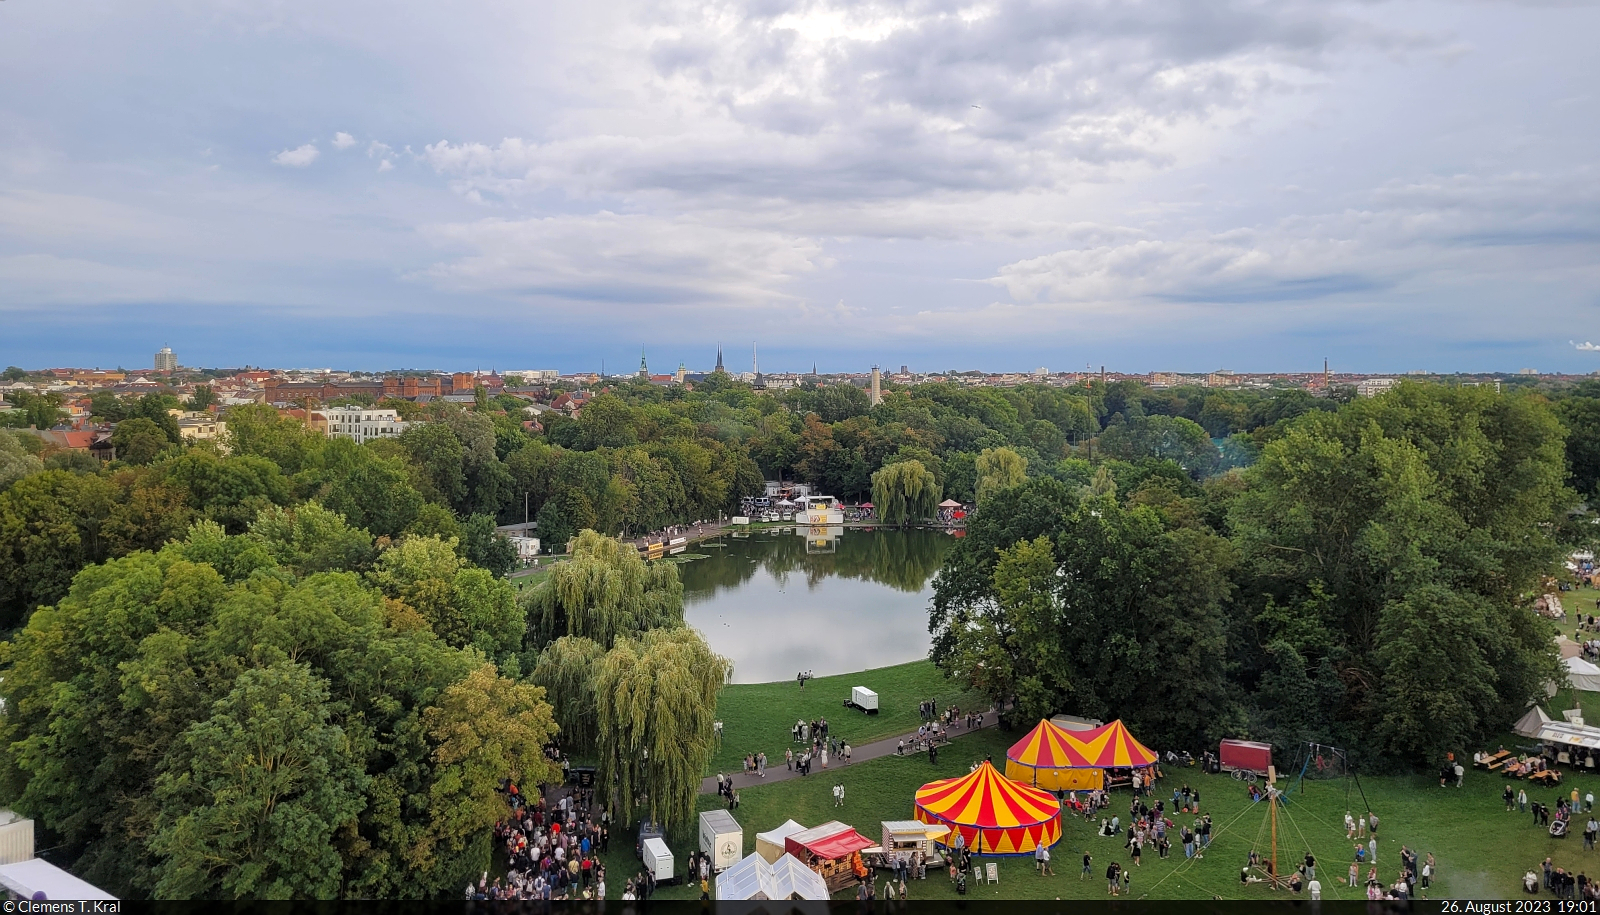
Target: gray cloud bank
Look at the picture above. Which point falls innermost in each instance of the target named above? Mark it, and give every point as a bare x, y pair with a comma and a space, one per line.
1123, 177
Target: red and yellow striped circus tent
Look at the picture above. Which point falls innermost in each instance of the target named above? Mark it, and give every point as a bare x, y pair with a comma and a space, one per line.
993, 814
1048, 757
1111, 746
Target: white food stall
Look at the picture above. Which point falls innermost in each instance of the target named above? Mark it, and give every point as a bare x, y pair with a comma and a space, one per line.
722, 838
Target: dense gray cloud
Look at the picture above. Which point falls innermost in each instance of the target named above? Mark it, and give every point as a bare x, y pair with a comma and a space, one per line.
1037, 180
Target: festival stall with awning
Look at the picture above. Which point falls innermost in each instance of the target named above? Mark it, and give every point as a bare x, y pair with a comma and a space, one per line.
833, 850
991, 814
1047, 757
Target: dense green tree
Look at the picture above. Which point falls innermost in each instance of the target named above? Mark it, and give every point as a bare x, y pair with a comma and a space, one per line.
309, 538
566, 669
998, 469
438, 455
230, 490
1089, 617
50, 527
40, 411
370, 490
155, 665
1163, 438
484, 547
483, 729
107, 407
260, 430
904, 491
656, 697
157, 408
603, 592
16, 461
461, 604
204, 398
71, 461
1356, 519
1581, 417
253, 795
139, 441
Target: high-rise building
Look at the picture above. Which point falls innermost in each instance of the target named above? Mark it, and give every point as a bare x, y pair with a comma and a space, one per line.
875, 396
166, 360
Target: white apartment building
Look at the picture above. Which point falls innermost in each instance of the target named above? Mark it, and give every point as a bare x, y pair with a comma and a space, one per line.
1372, 387
362, 424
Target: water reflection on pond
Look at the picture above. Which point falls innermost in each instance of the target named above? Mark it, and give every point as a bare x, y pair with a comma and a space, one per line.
831, 601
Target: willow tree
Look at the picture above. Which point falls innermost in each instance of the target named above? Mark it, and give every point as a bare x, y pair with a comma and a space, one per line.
604, 592
655, 699
999, 468
904, 491
566, 670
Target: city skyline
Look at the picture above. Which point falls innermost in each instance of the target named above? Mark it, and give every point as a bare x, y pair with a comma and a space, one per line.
1166, 186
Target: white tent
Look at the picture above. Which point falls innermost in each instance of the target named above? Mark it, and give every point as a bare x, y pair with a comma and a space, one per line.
35, 875
1528, 725
754, 878
770, 845
1582, 675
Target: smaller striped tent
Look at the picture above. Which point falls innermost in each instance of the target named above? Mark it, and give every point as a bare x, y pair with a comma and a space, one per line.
1111, 746
992, 814
1047, 757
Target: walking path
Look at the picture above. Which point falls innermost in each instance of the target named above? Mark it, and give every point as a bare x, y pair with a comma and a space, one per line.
858, 755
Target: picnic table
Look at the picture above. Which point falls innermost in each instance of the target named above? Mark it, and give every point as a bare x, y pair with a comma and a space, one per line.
1547, 777
1495, 762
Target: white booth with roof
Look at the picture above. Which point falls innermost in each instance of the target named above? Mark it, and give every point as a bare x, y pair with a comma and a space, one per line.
770, 845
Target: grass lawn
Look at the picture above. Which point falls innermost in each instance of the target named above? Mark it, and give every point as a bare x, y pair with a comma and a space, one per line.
1481, 850
756, 717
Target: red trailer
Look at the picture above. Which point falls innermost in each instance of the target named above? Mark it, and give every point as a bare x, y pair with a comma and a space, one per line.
1245, 756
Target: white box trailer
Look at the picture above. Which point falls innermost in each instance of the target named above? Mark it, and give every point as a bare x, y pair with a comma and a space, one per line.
722, 838
658, 859
864, 699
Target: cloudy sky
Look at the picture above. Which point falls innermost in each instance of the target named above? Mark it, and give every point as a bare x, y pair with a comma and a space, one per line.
1173, 185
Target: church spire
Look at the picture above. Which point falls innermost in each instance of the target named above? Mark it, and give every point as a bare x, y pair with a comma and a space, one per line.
719, 367
644, 370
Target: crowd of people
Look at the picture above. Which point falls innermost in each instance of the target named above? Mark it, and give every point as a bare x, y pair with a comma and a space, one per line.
820, 747
552, 845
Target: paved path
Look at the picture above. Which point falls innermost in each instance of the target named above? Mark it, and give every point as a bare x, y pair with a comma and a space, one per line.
858, 755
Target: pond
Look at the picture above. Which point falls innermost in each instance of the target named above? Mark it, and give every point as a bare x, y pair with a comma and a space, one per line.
829, 600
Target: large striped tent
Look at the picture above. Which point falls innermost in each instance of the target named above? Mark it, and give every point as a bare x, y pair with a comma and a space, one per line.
1111, 746
1049, 757
992, 814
